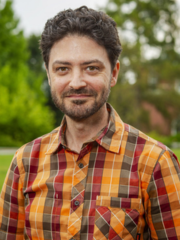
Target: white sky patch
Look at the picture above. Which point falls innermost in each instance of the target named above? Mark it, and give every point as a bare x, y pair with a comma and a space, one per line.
34, 14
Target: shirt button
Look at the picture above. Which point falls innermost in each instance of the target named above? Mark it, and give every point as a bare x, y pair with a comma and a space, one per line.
76, 203
81, 165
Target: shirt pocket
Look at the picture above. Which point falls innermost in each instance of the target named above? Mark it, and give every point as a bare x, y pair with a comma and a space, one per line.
117, 218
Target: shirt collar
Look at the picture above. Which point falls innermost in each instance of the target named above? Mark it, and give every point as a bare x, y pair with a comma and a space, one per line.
109, 137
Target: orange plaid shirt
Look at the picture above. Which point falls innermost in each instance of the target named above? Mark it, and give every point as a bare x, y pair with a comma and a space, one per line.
122, 185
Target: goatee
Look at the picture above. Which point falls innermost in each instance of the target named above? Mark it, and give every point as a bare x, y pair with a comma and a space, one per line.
79, 109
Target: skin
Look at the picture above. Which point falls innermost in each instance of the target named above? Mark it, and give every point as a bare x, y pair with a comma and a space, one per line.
80, 76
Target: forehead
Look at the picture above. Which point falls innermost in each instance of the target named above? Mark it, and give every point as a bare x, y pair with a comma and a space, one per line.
77, 48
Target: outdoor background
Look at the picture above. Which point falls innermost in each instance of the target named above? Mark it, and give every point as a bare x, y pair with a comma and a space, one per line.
146, 96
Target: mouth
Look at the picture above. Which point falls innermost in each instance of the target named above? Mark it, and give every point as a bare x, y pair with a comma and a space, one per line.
79, 96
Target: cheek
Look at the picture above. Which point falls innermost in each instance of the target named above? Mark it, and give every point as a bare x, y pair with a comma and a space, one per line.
98, 83
59, 85
98, 86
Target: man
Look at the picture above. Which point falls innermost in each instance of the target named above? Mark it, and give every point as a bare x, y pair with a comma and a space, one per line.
94, 177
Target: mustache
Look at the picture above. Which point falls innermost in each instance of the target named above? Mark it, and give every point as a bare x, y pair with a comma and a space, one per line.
79, 91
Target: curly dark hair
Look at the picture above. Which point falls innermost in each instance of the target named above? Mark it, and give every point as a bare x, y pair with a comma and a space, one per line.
84, 22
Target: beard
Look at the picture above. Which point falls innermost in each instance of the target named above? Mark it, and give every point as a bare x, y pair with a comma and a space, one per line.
78, 109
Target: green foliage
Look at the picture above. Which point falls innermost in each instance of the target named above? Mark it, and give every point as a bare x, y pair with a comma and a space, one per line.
35, 61
121, 98
163, 139
36, 65
147, 28
12, 43
23, 113
166, 140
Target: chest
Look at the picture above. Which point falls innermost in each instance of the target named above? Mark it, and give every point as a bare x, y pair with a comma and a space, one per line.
76, 196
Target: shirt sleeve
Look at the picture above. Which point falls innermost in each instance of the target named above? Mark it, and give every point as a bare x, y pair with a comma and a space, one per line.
12, 214
163, 205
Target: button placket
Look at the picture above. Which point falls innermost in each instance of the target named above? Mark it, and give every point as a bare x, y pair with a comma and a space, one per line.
77, 195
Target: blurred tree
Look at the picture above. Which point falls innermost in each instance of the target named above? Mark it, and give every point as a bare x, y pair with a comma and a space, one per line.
150, 59
23, 114
36, 65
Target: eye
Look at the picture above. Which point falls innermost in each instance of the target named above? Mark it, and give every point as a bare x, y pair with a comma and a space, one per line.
92, 68
62, 69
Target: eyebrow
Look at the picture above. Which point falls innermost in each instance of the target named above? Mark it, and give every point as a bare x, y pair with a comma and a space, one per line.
92, 61
84, 63
61, 62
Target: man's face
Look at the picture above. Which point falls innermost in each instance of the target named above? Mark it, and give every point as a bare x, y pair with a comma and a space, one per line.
80, 76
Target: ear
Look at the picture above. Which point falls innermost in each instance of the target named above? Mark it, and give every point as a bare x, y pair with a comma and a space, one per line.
115, 73
49, 80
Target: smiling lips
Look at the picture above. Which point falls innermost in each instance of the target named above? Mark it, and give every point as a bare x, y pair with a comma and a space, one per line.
78, 96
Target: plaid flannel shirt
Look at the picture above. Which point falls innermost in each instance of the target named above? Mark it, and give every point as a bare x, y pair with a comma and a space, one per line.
122, 185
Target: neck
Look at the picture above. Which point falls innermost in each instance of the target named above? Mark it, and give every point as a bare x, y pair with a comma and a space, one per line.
78, 132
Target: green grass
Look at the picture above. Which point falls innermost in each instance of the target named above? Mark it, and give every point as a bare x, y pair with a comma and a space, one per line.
177, 152
5, 161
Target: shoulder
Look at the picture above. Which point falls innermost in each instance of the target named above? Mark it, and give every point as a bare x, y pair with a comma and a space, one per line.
143, 139
146, 147
38, 145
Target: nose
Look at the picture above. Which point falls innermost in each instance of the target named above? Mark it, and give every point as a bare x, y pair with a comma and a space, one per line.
77, 80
